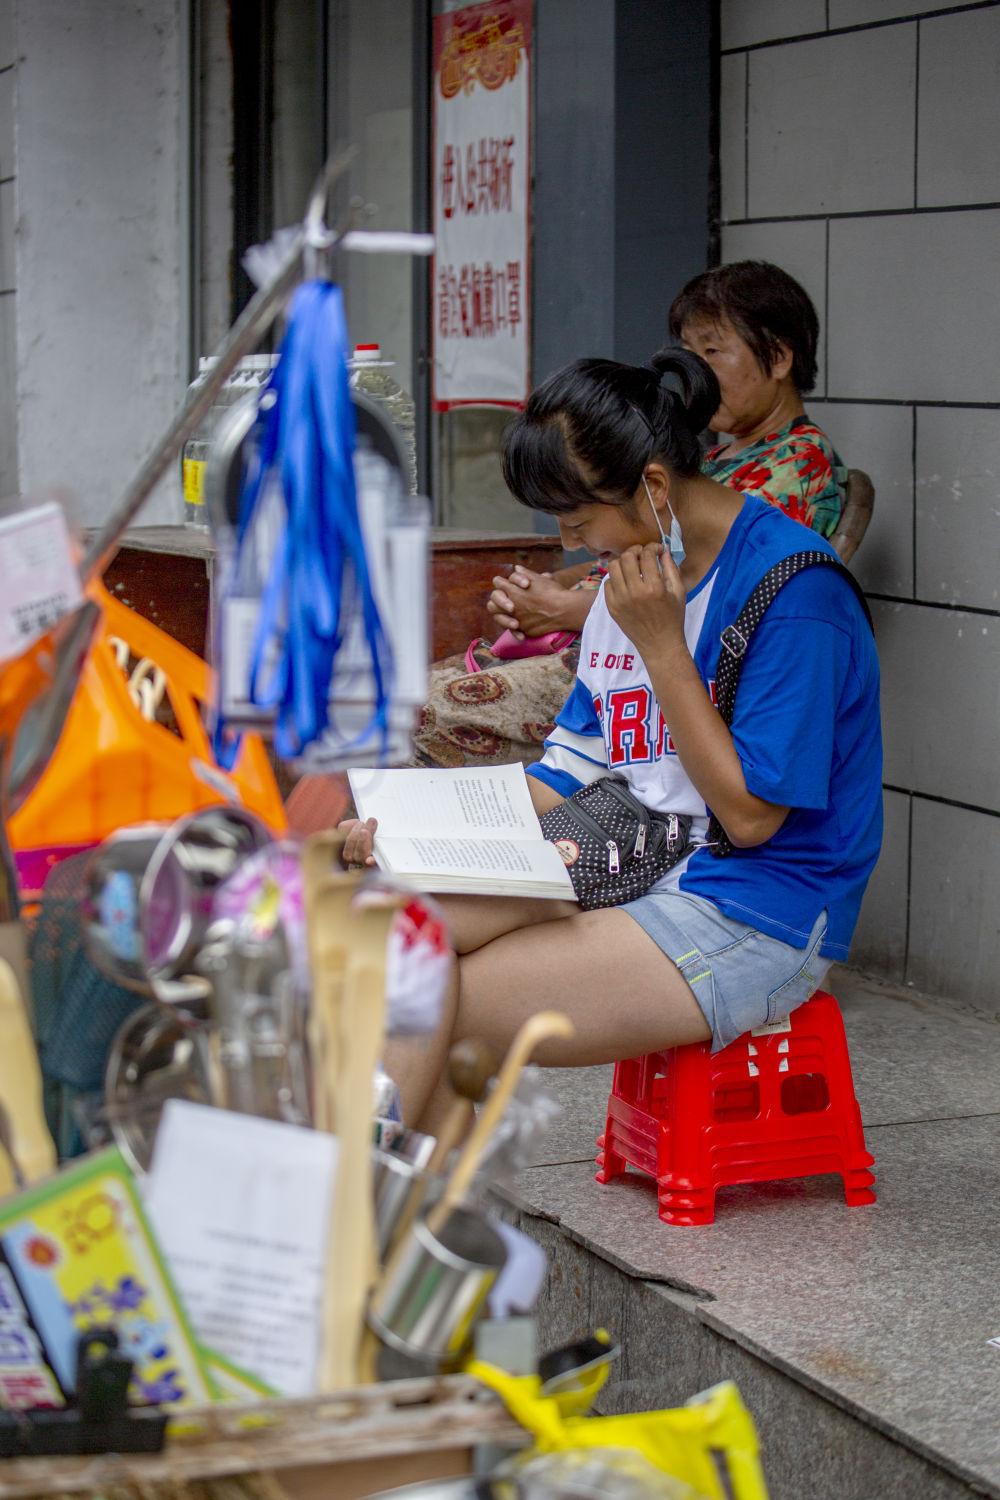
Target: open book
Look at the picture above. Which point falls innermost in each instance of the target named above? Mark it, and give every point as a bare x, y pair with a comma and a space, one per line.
468, 831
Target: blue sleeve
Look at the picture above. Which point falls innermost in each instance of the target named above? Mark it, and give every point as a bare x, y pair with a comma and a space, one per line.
784, 726
574, 752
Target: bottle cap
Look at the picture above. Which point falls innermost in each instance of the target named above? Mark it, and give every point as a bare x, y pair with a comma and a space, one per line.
367, 353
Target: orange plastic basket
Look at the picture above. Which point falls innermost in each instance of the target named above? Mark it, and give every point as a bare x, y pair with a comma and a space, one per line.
112, 766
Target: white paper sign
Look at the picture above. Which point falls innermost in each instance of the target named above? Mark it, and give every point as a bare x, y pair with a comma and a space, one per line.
241, 1208
38, 579
482, 161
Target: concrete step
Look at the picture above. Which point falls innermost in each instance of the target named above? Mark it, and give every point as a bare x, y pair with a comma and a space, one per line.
859, 1337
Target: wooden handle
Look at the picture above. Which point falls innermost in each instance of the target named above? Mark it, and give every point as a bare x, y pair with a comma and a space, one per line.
328, 911
320, 858
351, 1256
471, 1065
541, 1028
26, 1138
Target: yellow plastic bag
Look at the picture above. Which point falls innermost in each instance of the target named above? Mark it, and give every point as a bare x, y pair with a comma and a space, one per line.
113, 766
710, 1444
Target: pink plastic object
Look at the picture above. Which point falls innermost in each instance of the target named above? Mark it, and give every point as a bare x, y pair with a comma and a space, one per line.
771, 1105
508, 648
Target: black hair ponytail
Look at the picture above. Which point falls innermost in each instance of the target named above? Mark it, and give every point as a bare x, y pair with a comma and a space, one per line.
699, 394
587, 432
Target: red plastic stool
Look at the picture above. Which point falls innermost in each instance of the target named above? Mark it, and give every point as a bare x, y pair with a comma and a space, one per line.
775, 1103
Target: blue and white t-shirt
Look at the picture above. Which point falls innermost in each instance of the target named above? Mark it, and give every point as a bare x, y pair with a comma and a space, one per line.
806, 728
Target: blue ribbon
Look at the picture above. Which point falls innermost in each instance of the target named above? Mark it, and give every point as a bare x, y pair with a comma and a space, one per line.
305, 436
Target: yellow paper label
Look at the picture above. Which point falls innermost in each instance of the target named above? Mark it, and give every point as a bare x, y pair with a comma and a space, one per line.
82, 1257
193, 478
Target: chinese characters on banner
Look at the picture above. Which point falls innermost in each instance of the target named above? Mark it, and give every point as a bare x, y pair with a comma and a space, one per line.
480, 288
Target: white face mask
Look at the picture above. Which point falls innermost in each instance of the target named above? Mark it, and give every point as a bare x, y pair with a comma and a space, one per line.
675, 542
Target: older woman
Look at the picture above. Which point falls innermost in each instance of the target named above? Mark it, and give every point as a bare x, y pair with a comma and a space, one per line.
757, 329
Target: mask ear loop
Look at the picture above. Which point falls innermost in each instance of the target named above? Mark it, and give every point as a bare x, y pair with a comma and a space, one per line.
674, 544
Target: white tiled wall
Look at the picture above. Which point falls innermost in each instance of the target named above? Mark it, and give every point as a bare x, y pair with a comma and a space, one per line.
862, 12
958, 506
879, 439
7, 122
834, 133
745, 22
859, 150
7, 48
8, 209
913, 311
8, 428
957, 160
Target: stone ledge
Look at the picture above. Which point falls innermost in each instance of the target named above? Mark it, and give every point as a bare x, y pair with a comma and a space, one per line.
883, 1312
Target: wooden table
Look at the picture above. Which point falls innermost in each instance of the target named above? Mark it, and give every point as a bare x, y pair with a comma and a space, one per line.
165, 573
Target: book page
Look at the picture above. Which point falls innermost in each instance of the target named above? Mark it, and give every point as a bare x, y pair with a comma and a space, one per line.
488, 800
479, 860
241, 1209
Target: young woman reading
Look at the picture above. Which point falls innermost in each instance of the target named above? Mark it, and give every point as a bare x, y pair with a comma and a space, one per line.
719, 944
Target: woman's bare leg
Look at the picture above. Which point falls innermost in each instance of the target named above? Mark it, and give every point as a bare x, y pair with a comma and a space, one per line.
622, 993
476, 920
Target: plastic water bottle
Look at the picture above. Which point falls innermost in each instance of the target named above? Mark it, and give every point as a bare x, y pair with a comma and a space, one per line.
369, 372
250, 374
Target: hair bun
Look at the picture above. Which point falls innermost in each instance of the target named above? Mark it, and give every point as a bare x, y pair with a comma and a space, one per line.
699, 396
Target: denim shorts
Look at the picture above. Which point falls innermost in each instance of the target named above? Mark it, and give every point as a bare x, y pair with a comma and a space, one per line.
740, 977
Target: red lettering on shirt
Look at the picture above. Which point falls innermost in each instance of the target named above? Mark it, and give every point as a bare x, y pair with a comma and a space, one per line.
627, 732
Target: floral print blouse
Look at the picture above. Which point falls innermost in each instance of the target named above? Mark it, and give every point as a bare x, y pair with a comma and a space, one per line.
796, 468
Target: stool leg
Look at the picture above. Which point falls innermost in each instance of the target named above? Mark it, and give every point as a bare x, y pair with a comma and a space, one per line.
609, 1164
685, 1207
859, 1182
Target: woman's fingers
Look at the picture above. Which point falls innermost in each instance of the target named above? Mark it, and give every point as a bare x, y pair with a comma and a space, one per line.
509, 622
359, 842
641, 569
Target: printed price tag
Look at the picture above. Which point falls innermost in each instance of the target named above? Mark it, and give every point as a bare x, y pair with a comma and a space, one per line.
773, 1027
38, 579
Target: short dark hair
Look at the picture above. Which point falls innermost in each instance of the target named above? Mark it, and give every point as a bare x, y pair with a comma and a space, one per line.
765, 305
587, 433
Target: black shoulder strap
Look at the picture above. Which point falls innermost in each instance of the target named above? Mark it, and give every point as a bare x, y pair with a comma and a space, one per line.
736, 638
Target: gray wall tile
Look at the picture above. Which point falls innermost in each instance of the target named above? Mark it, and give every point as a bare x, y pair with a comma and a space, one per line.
800, 249
912, 315
878, 439
8, 409
99, 282
7, 123
7, 33
857, 12
880, 938
744, 22
832, 124
957, 158
940, 701
958, 506
955, 917
732, 134
7, 211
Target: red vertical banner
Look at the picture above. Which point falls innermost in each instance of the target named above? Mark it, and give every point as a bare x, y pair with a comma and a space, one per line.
481, 273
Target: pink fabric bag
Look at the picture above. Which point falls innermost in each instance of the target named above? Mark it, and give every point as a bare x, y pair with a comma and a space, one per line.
508, 648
